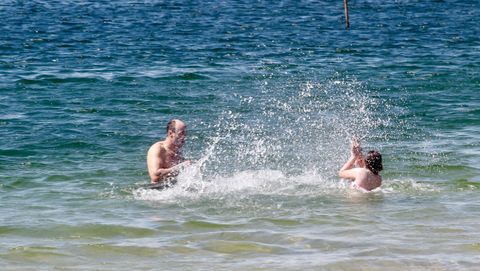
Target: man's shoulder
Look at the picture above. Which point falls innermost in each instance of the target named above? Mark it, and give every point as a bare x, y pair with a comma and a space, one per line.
157, 147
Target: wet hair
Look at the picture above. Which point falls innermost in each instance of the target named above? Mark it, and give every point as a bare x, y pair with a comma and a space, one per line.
171, 126
373, 162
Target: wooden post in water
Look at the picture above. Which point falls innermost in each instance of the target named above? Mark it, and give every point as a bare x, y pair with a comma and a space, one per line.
345, 5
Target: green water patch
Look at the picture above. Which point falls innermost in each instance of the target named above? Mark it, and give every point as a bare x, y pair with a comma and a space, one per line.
444, 171
58, 178
199, 225
119, 250
324, 244
20, 183
6, 230
279, 222
181, 249
472, 247
40, 254
240, 247
440, 167
106, 231
86, 231
465, 184
374, 264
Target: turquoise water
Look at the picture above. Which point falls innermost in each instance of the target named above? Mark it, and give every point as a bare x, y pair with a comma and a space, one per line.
271, 92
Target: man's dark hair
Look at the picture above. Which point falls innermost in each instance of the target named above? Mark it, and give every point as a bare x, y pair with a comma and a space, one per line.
171, 126
373, 162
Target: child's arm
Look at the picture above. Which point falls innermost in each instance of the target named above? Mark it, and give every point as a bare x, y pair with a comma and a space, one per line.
357, 152
347, 171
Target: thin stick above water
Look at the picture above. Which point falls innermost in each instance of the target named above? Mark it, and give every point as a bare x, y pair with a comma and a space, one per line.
345, 4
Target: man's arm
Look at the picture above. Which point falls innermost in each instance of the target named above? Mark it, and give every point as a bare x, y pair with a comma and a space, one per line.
163, 172
156, 160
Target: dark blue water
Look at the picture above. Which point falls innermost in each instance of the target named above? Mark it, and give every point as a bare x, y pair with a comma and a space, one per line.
271, 92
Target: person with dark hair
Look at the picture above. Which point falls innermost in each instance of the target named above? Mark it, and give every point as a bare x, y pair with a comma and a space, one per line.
363, 171
164, 158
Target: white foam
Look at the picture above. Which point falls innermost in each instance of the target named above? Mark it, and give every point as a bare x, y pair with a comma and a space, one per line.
12, 116
269, 182
243, 184
408, 186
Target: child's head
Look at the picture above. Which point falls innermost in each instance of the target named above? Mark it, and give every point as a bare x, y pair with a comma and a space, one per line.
373, 162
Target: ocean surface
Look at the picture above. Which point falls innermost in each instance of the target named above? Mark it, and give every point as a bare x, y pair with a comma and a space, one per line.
272, 92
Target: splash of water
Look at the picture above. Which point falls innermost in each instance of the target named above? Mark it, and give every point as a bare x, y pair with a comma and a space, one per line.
287, 139
298, 127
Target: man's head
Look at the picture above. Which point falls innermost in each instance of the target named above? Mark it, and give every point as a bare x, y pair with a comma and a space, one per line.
176, 132
373, 161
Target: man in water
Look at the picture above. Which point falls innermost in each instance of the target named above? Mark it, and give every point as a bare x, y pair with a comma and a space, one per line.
164, 158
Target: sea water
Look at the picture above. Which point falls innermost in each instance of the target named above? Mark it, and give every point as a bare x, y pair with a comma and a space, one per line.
272, 92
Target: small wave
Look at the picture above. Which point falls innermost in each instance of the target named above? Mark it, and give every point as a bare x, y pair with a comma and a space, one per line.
347, 51
28, 253
184, 76
75, 144
235, 247
465, 184
53, 79
153, 76
15, 116
17, 152
84, 230
408, 186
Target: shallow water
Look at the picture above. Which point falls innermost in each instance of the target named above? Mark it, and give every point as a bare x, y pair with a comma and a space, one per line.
271, 93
